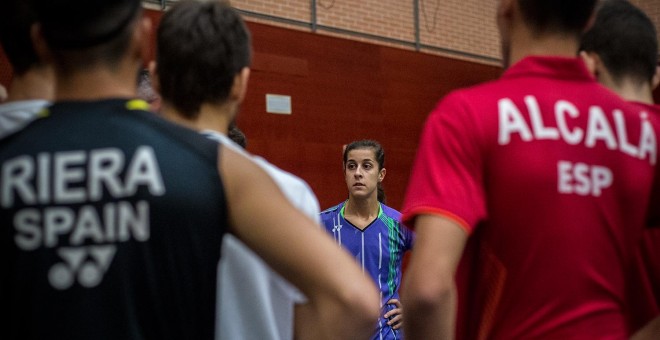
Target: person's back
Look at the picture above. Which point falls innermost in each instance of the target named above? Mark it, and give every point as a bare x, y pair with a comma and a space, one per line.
548, 173
567, 182
99, 222
621, 50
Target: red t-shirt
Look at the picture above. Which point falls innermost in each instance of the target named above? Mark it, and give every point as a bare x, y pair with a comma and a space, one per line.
550, 173
645, 280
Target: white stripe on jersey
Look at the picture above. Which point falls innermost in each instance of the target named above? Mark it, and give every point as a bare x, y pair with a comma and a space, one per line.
380, 285
362, 251
336, 229
380, 265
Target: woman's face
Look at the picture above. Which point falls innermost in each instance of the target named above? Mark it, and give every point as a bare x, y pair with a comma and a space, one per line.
361, 173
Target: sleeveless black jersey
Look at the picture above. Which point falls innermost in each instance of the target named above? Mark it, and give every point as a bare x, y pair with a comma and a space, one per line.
112, 220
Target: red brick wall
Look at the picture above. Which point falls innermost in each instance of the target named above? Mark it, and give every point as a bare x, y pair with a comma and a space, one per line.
392, 19
290, 9
466, 27
463, 26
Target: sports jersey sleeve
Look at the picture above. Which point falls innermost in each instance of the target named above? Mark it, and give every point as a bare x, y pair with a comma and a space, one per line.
446, 177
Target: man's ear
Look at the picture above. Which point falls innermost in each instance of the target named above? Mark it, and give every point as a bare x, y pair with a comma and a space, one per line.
591, 61
239, 88
656, 78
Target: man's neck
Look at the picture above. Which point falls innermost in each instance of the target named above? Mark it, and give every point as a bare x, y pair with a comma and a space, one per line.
633, 91
524, 44
214, 117
37, 83
98, 83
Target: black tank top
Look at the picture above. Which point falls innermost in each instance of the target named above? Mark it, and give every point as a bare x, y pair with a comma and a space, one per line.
112, 220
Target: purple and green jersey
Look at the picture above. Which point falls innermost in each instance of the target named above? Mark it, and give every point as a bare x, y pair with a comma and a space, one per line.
379, 250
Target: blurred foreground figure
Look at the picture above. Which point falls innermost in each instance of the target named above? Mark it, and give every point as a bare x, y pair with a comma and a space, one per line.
538, 184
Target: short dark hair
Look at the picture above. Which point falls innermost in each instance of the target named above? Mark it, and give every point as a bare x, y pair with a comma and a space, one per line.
625, 39
84, 33
563, 16
236, 135
202, 46
16, 19
367, 144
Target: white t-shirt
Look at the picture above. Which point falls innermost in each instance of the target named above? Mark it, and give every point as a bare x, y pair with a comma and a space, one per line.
14, 116
255, 301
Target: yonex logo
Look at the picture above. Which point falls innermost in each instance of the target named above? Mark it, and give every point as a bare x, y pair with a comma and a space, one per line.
69, 201
85, 265
336, 229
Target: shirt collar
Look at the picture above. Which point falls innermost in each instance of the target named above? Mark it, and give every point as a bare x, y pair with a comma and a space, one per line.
343, 206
